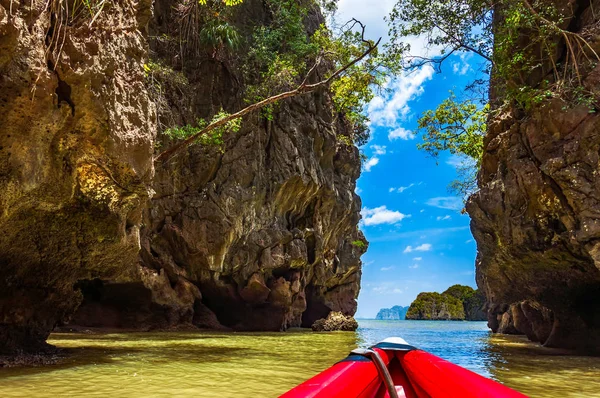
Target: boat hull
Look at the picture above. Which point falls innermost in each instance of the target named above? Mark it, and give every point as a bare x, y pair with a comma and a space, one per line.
414, 374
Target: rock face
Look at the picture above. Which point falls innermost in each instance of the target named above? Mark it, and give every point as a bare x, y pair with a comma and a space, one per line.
76, 138
260, 235
395, 313
457, 303
536, 216
335, 321
473, 301
436, 307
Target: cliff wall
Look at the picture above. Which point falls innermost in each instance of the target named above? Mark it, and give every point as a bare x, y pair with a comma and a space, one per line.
536, 215
256, 234
77, 131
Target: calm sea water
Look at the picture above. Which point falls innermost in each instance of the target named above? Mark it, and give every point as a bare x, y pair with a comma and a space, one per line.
223, 365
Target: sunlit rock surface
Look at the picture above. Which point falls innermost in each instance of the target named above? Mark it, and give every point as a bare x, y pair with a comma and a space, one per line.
76, 138
536, 216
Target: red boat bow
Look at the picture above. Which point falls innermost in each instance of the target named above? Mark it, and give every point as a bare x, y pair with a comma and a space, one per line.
394, 368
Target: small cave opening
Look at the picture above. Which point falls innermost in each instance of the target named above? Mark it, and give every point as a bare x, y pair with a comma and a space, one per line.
233, 312
117, 305
315, 307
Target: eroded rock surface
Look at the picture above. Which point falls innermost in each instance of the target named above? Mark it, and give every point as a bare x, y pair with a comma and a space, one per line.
76, 137
335, 321
266, 228
536, 217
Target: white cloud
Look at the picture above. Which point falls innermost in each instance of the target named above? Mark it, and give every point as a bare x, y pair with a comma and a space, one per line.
425, 247
462, 67
401, 189
381, 215
401, 133
390, 108
461, 162
387, 289
387, 268
369, 164
358, 191
378, 149
422, 211
446, 202
414, 266
469, 241
418, 258
446, 217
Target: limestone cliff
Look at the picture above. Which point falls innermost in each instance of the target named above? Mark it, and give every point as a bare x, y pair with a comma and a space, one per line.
536, 215
395, 313
457, 303
259, 234
76, 138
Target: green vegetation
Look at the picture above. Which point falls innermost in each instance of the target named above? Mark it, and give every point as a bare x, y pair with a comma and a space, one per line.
360, 244
523, 45
281, 58
435, 306
458, 302
213, 137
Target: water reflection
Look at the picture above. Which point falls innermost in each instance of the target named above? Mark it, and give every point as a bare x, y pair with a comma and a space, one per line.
268, 364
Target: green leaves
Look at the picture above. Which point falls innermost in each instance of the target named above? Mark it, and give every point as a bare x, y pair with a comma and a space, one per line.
454, 126
450, 25
458, 127
217, 34
211, 138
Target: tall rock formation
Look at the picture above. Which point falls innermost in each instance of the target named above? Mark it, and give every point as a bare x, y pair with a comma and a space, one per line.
396, 313
536, 215
76, 138
258, 235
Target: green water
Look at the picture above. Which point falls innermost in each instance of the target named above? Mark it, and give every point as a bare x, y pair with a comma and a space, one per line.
267, 364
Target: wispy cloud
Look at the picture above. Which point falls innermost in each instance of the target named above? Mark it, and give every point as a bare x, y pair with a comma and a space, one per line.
461, 162
446, 202
462, 67
421, 234
418, 258
401, 133
379, 149
414, 266
384, 269
425, 247
390, 108
401, 189
369, 164
443, 218
381, 215
387, 288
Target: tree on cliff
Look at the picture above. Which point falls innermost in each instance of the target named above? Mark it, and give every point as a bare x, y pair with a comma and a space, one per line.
524, 43
344, 62
458, 302
436, 306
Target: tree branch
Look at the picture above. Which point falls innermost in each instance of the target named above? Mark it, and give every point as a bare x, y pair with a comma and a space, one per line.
303, 88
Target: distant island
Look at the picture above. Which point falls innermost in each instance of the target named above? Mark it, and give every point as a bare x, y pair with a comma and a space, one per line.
457, 303
395, 313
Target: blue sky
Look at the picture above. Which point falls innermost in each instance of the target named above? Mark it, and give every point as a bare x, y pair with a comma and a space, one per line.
419, 241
